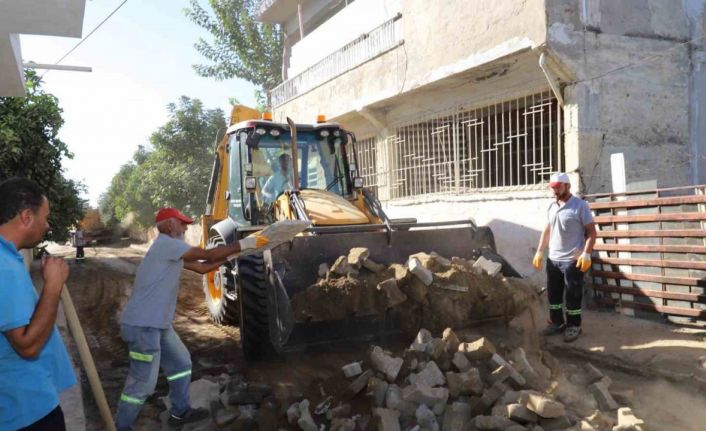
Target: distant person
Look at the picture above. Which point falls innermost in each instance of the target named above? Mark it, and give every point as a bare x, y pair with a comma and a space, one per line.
280, 180
34, 365
79, 242
146, 321
570, 234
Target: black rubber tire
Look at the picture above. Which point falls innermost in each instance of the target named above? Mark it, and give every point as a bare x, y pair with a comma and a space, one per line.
227, 310
254, 322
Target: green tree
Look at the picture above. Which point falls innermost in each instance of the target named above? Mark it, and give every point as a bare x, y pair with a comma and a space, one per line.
176, 170
30, 148
241, 46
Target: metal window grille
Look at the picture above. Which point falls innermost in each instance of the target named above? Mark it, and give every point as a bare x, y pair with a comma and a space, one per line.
510, 145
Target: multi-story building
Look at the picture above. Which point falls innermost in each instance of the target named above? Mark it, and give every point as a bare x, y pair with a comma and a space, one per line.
463, 108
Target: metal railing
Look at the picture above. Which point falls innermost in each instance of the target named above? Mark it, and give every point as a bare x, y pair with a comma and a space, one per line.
364, 48
510, 145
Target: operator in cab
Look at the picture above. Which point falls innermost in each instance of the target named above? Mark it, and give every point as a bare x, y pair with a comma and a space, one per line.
280, 180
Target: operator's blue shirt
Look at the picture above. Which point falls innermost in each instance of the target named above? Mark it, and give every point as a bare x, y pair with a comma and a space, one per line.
29, 388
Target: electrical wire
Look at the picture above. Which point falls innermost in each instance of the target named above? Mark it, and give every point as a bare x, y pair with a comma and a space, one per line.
87, 36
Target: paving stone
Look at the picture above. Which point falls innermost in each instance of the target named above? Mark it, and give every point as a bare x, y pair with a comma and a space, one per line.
486, 266
377, 389
492, 423
626, 418
466, 383
359, 383
451, 340
421, 394
202, 393
515, 376
521, 414
323, 270
357, 255
387, 419
509, 397
441, 260
342, 267
431, 375
542, 405
437, 347
393, 294
492, 394
426, 418
422, 273
373, 267
421, 341
386, 364
602, 395
456, 416
624, 397
461, 362
353, 369
477, 350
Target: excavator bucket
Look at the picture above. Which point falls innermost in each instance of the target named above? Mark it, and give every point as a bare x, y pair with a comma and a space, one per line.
295, 268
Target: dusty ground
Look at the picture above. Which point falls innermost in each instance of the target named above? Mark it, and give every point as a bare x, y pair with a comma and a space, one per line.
101, 286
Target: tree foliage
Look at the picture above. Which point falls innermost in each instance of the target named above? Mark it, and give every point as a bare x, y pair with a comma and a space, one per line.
175, 171
241, 46
30, 148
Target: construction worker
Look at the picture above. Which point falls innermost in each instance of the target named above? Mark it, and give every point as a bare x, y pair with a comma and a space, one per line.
280, 180
146, 321
34, 365
570, 234
79, 242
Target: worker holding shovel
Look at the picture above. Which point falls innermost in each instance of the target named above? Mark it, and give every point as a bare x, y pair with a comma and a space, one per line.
146, 322
34, 364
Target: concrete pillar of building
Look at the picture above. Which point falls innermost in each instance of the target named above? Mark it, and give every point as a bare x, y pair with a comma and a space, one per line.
583, 137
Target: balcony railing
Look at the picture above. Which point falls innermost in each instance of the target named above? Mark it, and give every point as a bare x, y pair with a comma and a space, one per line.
364, 48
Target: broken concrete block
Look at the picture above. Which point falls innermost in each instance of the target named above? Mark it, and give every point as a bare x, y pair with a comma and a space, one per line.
353, 369
456, 416
542, 405
436, 348
393, 294
450, 340
606, 381
377, 390
593, 373
492, 423
461, 362
516, 377
602, 395
416, 290
423, 274
624, 397
500, 374
509, 397
386, 364
342, 267
521, 414
417, 393
305, 421
323, 270
479, 349
293, 413
359, 383
466, 383
492, 394
422, 341
431, 376
626, 418
373, 267
357, 255
487, 266
555, 424
387, 419
343, 424
441, 260
426, 418
401, 273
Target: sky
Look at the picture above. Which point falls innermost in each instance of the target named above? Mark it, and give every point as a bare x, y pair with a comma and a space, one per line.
142, 60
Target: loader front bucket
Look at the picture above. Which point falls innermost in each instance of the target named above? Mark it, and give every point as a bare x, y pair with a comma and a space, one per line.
295, 268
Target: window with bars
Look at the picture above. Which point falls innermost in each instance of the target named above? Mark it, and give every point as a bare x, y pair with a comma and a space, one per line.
509, 145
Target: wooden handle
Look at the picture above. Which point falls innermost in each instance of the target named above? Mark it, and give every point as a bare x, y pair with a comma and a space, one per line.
86, 358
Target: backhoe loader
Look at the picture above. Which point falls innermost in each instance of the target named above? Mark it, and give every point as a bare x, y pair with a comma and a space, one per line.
315, 166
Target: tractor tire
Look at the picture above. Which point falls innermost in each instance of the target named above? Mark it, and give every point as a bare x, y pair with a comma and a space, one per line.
220, 291
254, 322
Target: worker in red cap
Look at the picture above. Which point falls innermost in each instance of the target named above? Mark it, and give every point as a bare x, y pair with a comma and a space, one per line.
146, 321
570, 235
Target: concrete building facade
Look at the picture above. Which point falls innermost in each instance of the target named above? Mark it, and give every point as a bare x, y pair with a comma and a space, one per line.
464, 108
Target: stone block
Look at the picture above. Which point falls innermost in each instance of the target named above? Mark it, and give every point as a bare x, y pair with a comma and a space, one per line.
602, 395
226, 416
431, 376
422, 273
593, 373
323, 270
626, 418
509, 397
422, 341
416, 290
377, 390
387, 419
359, 383
516, 378
521, 414
353, 369
456, 416
422, 394
477, 350
492, 394
542, 405
293, 413
437, 347
357, 256
450, 340
624, 397
373, 267
426, 418
461, 362
386, 364
441, 260
466, 383
393, 295
305, 421
487, 266
342, 267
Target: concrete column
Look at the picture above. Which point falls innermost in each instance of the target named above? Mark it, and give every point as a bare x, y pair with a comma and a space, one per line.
582, 135
697, 117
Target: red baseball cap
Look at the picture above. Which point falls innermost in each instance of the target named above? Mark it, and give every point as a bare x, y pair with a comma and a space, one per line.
167, 213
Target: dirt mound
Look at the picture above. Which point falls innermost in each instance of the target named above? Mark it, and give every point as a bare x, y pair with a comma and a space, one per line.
440, 293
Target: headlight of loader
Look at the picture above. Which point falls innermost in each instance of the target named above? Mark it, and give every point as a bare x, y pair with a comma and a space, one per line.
250, 184
358, 182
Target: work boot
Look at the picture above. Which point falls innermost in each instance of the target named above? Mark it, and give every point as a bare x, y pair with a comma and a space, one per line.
191, 416
572, 333
553, 329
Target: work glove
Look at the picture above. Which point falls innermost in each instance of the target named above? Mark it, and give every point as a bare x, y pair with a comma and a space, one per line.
584, 262
255, 240
537, 261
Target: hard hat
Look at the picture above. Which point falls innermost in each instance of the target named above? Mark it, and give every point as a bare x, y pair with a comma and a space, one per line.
559, 178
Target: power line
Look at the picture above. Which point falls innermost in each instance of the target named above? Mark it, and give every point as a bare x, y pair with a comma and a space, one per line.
87, 36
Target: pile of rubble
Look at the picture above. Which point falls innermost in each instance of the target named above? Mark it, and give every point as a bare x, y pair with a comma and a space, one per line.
428, 290
448, 384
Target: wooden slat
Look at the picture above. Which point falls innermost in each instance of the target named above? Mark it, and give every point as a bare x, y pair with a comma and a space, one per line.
666, 233
638, 203
651, 248
659, 263
678, 296
647, 191
686, 281
639, 218
677, 311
